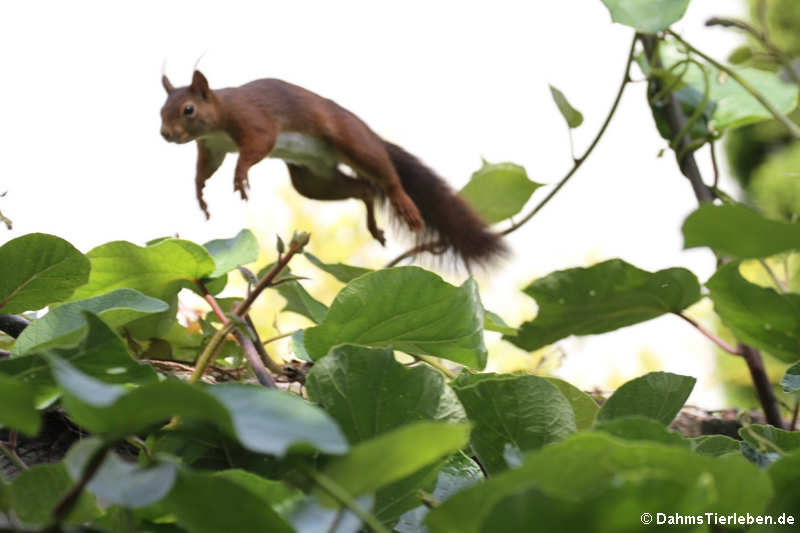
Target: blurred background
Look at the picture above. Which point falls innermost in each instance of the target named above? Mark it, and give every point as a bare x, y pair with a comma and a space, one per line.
452, 82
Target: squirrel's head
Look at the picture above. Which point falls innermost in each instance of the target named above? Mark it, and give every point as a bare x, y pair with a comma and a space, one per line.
189, 112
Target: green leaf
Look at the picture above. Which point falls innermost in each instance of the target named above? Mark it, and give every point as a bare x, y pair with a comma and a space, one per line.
272, 421
37, 270
102, 354
498, 191
36, 491
369, 393
154, 270
785, 475
791, 379
409, 309
595, 477
739, 231
526, 412
342, 272
740, 54
714, 445
573, 117
755, 434
19, 410
758, 316
637, 427
734, 106
207, 503
121, 482
231, 253
584, 407
66, 324
262, 420
494, 322
395, 454
601, 298
299, 301
646, 16
458, 473
657, 395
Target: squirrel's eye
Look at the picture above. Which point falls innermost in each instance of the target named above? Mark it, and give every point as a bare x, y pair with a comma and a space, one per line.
188, 110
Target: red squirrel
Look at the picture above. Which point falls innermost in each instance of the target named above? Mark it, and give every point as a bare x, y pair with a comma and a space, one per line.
314, 136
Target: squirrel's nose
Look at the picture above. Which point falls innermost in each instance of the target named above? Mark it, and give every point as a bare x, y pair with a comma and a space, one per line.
165, 134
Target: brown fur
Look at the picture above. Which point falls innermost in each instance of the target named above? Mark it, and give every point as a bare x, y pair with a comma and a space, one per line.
253, 115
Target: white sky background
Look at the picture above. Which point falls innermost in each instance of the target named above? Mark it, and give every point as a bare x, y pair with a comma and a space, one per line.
450, 81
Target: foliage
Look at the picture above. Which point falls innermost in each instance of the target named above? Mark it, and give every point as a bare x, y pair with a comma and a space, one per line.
397, 428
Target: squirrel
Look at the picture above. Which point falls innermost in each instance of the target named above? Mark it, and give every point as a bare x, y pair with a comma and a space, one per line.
315, 136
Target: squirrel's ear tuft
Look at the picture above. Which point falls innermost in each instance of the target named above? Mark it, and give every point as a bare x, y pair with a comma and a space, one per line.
200, 85
167, 84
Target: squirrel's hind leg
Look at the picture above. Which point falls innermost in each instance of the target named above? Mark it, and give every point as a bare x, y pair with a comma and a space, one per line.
337, 186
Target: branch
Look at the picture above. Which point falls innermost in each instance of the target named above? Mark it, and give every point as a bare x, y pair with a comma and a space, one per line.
580, 160
299, 240
793, 128
65, 505
13, 324
714, 338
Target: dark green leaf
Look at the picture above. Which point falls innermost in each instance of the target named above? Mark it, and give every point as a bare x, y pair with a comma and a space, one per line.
37, 491
409, 309
18, 410
584, 407
66, 324
524, 411
736, 230
785, 475
594, 474
770, 439
573, 117
647, 16
262, 420
121, 482
271, 421
758, 316
714, 445
498, 191
101, 354
231, 253
369, 393
207, 503
458, 473
657, 395
299, 301
37, 270
791, 380
601, 298
340, 271
395, 454
637, 427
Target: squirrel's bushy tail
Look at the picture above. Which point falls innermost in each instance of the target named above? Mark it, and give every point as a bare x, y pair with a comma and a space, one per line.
449, 219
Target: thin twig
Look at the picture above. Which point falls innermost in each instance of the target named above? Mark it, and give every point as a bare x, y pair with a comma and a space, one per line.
580, 160
713, 151
714, 338
9, 449
793, 128
434, 247
775, 279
